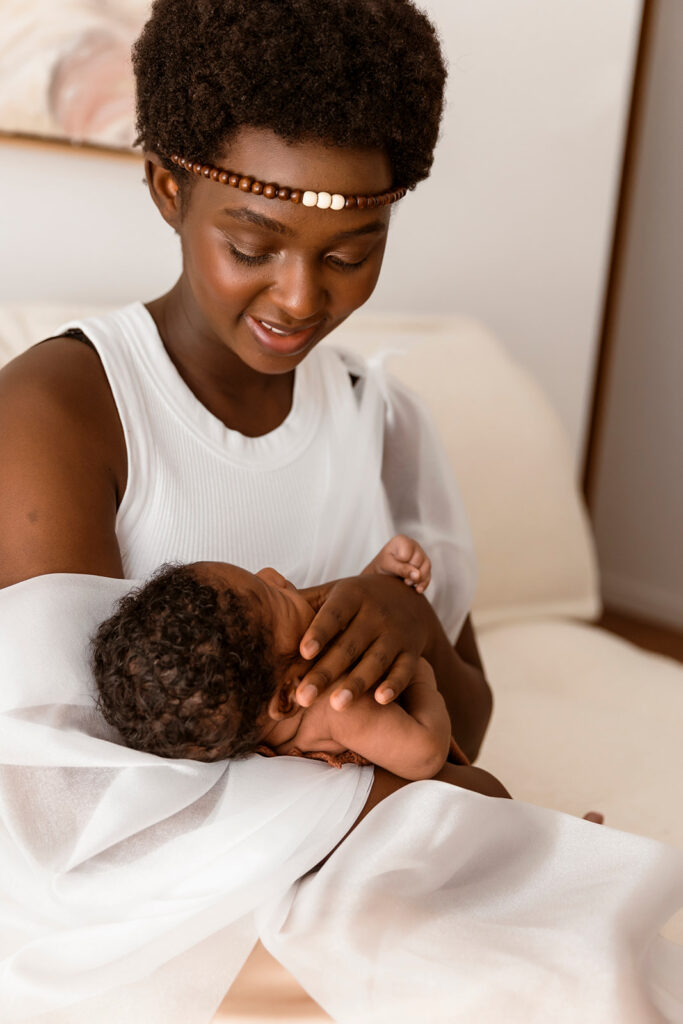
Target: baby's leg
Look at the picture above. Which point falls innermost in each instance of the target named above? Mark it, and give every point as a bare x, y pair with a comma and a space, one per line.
403, 557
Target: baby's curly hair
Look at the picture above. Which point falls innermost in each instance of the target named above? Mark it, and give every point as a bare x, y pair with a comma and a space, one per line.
349, 73
183, 669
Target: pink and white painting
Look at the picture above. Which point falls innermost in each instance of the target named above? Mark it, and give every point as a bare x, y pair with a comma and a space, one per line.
65, 70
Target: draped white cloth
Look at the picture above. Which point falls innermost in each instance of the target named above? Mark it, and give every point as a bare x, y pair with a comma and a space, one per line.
133, 888
447, 906
114, 864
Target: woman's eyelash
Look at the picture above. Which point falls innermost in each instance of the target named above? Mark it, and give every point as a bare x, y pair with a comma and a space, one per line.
250, 261
256, 261
345, 264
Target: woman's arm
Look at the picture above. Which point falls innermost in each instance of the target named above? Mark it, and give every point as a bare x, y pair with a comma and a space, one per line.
62, 464
462, 682
410, 739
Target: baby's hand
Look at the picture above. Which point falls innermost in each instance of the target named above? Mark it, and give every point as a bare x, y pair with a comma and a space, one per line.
404, 557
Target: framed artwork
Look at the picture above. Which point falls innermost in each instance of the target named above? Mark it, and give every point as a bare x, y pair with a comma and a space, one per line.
65, 70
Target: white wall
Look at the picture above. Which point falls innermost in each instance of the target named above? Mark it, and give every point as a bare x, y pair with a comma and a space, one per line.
638, 506
513, 227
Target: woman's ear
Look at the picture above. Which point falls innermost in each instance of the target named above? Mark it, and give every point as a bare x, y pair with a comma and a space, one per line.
164, 190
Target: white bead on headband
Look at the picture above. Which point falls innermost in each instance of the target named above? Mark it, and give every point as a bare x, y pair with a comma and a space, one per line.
308, 198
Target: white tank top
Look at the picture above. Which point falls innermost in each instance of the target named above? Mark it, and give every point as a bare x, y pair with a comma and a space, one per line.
198, 490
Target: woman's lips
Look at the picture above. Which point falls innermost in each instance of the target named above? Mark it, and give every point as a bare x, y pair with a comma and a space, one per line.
284, 344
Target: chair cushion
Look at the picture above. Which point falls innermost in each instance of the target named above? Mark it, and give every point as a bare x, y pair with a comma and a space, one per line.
512, 461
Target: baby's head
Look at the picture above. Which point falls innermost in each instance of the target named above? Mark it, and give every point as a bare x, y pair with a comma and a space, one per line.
201, 660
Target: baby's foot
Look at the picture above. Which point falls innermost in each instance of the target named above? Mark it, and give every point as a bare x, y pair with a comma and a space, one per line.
404, 557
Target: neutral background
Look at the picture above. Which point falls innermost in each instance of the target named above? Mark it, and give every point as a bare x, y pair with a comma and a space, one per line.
638, 499
514, 227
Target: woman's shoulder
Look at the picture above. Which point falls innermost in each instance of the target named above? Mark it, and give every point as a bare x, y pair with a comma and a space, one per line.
63, 375
63, 462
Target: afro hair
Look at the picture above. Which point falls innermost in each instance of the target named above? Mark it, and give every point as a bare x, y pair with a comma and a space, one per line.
347, 73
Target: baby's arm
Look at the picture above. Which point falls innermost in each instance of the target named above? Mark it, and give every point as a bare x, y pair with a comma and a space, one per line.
410, 740
402, 556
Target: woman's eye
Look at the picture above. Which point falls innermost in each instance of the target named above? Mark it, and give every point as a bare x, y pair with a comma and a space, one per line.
347, 265
246, 258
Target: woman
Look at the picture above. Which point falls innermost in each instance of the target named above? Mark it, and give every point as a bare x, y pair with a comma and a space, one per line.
342, 99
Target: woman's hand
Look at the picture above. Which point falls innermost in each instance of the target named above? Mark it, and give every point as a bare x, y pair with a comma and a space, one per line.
374, 627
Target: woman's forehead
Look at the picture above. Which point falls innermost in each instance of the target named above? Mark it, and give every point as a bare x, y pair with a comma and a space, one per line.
307, 164
262, 156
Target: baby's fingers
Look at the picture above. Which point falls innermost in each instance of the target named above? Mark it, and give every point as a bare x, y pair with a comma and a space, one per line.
421, 572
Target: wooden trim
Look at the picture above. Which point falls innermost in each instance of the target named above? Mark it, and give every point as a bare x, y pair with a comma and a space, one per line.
651, 636
619, 243
59, 145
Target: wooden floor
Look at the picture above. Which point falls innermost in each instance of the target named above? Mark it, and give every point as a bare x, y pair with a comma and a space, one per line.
649, 635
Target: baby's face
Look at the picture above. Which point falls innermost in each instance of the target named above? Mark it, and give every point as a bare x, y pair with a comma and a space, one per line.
279, 604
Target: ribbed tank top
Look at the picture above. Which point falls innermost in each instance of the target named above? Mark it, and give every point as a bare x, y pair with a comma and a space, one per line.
198, 490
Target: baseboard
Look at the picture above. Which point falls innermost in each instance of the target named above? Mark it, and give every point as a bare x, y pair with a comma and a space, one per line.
621, 593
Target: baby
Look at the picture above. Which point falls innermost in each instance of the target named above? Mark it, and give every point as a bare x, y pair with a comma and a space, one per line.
203, 661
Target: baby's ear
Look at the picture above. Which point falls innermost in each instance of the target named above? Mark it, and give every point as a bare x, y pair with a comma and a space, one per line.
282, 704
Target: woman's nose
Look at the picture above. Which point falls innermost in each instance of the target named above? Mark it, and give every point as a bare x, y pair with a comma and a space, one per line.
299, 292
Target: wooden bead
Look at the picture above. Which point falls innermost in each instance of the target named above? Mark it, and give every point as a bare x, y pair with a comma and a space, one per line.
309, 198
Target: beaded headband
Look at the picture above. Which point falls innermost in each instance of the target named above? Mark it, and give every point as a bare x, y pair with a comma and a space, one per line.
321, 200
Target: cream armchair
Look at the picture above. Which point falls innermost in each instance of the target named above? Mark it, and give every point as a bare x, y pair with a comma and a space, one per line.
583, 720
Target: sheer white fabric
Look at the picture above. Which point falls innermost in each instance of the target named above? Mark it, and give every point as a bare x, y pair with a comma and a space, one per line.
447, 906
114, 864
425, 501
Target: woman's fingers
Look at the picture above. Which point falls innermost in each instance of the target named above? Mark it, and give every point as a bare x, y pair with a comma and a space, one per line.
378, 663
356, 657
337, 610
399, 676
361, 628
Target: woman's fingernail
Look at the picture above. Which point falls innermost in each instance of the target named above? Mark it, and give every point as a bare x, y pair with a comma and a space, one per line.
384, 696
342, 699
415, 574
308, 694
310, 649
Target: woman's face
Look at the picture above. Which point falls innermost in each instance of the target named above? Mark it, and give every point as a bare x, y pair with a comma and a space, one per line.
269, 279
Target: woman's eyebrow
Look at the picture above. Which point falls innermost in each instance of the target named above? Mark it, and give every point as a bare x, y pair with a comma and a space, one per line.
243, 213
261, 221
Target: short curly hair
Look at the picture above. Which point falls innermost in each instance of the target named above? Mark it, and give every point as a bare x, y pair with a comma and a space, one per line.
347, 73
183, 669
